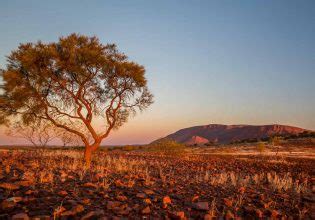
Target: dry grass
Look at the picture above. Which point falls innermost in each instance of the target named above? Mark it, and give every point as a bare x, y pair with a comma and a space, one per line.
50, 169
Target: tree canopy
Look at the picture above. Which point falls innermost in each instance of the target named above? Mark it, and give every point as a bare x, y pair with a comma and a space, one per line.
72, 83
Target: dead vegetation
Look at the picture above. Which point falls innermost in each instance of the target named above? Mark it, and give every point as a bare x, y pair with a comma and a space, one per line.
56, 184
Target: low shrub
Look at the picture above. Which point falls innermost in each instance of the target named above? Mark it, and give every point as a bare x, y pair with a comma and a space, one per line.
167, 146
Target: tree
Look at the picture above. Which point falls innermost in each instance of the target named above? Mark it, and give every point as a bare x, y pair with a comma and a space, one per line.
73, 83
68, 138
38, 134
261, 147
275, 143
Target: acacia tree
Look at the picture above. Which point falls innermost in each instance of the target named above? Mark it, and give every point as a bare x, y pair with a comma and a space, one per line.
73, 83
38, 134
68, 138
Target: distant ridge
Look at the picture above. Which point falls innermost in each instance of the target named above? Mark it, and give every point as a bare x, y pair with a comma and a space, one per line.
222, 134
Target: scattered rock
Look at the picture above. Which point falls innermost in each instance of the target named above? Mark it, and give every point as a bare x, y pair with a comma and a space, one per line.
41, 217
78, 209
9, 186
29, 192
119, 183
249, 209
63, 193
24, 183
121, 198
74, 211
92, 214
90, 185
274, 214
59, 210
229, 215
146, 210
177, 215
14, 199
309, 198
167, 200
141, 195
147, 201
5, 205
20, 216
207, 217
228, 202
259, 213
241, 190
203, 206
112, 204
148, 191
86, 201
195, 198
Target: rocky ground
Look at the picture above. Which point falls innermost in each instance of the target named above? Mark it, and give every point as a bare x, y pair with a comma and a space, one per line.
54, 184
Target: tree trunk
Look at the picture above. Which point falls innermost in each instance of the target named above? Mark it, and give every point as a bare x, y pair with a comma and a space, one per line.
88, 156
88, 153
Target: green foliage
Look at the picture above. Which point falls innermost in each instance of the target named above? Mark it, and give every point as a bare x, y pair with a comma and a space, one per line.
275, 141
261, 147
167, 146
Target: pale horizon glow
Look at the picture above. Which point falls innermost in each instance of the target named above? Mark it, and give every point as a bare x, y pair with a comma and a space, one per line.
218, 62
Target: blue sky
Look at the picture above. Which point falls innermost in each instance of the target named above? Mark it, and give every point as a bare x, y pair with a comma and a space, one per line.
229, 62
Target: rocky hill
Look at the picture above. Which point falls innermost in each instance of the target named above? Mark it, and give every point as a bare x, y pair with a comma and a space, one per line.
217, 133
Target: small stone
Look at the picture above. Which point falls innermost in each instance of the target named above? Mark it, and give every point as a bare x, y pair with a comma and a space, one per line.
63, 193
122, 210
59, 210
67, 213
119, 183
41, 217
229, 215
74, 211
267, 204
121, 198
177, 215
92, 214
228, 202
86, 201
9, 186
113, 204
78, 209
241, 190
203, 206
167, 200
29, 192
274, 213
207, 217
141, 195
309, 198
195, 198
24, 183
20, 216
249, 209
148, 191
90, 185
15, 199
71, 202
147, 201
7, 205
259, 213
146, 210
181, 215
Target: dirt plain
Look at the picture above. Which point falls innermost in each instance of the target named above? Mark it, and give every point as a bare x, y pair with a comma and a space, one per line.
198, 184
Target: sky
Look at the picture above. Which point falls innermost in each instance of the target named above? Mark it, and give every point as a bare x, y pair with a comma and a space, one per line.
224, 62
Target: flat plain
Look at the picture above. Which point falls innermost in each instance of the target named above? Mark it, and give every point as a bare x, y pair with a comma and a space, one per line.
195, 183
